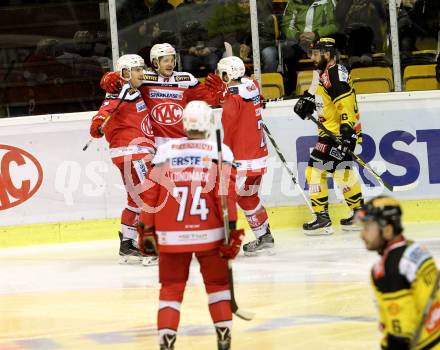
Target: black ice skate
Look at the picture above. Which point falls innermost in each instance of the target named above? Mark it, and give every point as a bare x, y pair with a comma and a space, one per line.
168, 342
223, 338
128, 251
320, 226
348, 224
264, 244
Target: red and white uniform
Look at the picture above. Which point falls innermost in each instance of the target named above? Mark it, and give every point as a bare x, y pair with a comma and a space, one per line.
190, 221
167, 97
244, 134
131, 143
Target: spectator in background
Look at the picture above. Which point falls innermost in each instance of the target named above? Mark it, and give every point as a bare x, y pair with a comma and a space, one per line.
232, 23
364, 24
418, 24
197, 50
143, 23
303, 22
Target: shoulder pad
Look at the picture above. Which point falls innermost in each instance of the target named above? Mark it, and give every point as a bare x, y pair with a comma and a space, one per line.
128, 93
413, 257
183, 77
248, 90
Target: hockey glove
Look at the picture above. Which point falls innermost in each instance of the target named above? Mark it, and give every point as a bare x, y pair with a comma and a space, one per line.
147, 240
344, 147
230, 250
217, 86
111, 82
96, 127
305, 106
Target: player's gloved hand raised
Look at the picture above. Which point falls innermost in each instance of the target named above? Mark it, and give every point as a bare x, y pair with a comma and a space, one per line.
230, 250
111, 82
305, 106
217, 86
96, 126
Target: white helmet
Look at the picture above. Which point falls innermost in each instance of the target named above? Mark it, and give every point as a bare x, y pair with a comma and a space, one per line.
129, 62
231, 65
198, 116
160, 50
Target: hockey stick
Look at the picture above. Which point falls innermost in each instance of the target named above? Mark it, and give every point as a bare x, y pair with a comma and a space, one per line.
106, 120
245, 315
361, 162
283, 160
425, 314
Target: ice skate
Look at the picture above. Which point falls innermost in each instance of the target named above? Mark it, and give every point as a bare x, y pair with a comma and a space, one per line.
263, 244
348, 224
223, 338
320, 226
128, 251
152, 260
168, 342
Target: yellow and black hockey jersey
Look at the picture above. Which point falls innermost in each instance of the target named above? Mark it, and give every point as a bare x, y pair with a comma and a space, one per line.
336, 101
403, 281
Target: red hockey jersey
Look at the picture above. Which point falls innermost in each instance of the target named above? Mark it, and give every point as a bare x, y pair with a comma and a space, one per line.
185, 194
243, 127
128, 131
167, 97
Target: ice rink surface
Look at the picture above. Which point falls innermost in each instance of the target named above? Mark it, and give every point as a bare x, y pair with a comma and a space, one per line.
313, 294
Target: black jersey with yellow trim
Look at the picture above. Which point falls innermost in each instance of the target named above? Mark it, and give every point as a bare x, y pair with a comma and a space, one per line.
403, 282
336, 101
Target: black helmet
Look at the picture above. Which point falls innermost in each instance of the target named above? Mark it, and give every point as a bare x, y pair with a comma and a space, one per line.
384, 210
325, 44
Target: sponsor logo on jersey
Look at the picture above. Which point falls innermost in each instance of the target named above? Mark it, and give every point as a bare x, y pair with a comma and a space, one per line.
173, 94
140, 106
433, 320
146, 127
21, 176
190, 161
167, 113
150, 77
182, 78
334, 152
325, 80
251, 87
234, 90
343, 73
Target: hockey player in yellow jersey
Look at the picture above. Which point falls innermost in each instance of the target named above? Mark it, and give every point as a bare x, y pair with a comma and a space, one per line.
403, 279
335, 103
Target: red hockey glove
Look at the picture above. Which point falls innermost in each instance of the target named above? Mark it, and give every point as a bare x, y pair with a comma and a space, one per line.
230, 251
95, 128
111, 82
147, 240
217, 86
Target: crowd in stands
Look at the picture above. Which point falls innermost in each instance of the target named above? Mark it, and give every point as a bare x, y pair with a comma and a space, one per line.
198, 29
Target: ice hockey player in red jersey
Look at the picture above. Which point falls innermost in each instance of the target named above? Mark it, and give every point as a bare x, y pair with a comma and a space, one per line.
185, 173
243, 133
166, 92
131, 142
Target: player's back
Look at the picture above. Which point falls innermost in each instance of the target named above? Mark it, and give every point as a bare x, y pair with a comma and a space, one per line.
190, 219
243, 125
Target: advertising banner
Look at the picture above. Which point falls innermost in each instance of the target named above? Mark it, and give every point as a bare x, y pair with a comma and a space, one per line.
46, 177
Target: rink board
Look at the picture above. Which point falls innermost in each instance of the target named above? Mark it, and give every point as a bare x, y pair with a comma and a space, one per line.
47, 178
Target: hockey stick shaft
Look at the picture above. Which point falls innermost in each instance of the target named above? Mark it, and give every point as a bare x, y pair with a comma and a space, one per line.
245, 315
283, 160
106, 120
355, 157
426, 310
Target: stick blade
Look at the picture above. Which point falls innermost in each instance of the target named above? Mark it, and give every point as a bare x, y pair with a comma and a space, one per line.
244, 315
